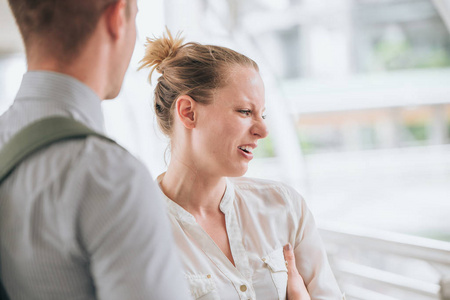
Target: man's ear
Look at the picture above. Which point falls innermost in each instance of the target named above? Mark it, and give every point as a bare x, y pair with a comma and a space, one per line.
116, 17
185, 111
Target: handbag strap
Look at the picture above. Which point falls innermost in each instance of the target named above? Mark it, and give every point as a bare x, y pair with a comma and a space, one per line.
35, 137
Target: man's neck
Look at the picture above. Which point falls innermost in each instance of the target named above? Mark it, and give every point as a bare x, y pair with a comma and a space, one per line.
87, 67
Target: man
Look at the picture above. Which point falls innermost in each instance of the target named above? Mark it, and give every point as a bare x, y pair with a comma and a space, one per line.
81, 219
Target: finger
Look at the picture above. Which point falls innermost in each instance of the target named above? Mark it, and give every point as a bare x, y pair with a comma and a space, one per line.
296, 288
290, 258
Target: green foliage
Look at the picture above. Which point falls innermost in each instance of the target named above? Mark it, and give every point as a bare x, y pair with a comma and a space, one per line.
393, 55
265, 148
306, 144
418, 131
437, 59
402, 55
367, 137
448, 129
435, 235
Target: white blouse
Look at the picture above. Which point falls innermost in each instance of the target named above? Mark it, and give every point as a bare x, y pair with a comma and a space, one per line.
261, 217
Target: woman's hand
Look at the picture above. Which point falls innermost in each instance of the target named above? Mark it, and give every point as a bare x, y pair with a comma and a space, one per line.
296, 289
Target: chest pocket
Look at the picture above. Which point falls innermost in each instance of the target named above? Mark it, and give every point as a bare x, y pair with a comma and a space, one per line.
202, 287
276, 264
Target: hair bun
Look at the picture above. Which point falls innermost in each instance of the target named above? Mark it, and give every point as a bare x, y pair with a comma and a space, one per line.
157, 50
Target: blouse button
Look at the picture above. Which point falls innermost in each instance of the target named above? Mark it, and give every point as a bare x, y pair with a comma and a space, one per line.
208, 276
243, 288
264, 259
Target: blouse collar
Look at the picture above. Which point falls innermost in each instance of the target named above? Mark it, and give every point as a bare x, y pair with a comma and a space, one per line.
182, 215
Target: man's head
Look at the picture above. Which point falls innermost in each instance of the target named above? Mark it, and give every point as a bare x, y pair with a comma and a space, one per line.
62, 25
62, 30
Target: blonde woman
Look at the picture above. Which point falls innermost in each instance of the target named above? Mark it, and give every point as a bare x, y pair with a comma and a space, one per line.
234, 234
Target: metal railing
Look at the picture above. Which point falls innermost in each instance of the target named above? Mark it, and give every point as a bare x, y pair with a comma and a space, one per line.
379, 265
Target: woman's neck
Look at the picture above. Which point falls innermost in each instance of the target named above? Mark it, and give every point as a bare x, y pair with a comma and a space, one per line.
198, 193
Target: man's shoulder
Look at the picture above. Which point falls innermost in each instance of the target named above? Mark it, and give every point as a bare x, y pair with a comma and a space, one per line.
79, 159
104, 155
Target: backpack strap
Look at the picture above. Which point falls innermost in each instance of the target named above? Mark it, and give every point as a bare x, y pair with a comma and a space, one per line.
34, 137
38, 135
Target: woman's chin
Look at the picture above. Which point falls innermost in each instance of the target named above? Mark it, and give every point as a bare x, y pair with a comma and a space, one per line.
238, 172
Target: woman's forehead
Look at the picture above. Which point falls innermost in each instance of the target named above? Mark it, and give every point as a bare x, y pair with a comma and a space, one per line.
243, 81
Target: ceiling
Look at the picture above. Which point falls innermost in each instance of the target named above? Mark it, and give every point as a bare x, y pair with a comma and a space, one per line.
11, 42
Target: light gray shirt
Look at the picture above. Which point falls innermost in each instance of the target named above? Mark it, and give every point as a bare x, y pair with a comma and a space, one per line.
81, 219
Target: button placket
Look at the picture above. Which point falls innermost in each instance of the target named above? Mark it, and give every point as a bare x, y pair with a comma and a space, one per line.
239, 254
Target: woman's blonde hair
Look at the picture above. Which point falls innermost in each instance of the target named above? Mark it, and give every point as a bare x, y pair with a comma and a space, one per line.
189, 69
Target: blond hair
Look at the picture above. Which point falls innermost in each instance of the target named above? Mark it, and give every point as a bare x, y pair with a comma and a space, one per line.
189, 69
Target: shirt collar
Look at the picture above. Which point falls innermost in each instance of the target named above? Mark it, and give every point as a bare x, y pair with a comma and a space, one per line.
184, 216
59, 88
228, 198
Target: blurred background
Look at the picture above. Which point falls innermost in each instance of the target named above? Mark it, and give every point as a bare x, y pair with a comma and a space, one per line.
358, 105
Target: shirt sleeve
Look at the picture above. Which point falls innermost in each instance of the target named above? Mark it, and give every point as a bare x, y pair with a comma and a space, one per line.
310, 255
125, 233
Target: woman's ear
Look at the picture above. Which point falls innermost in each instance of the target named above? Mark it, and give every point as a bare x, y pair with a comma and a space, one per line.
185, 111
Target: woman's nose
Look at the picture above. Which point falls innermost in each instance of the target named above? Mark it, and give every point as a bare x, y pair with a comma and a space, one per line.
260, 129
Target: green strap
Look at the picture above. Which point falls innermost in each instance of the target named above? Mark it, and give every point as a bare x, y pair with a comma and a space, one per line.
3, 294
34, 137
37, 136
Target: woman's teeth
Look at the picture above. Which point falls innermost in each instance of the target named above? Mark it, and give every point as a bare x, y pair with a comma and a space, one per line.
246, 149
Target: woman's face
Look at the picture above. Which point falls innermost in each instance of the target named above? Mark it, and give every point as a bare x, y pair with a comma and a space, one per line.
227, 131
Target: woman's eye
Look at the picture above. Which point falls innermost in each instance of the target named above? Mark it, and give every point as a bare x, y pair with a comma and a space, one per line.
246, 112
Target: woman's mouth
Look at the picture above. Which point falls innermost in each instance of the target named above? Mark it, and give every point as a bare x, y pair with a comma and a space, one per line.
246, 149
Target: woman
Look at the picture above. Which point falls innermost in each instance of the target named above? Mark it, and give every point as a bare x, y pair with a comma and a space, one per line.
209, 101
